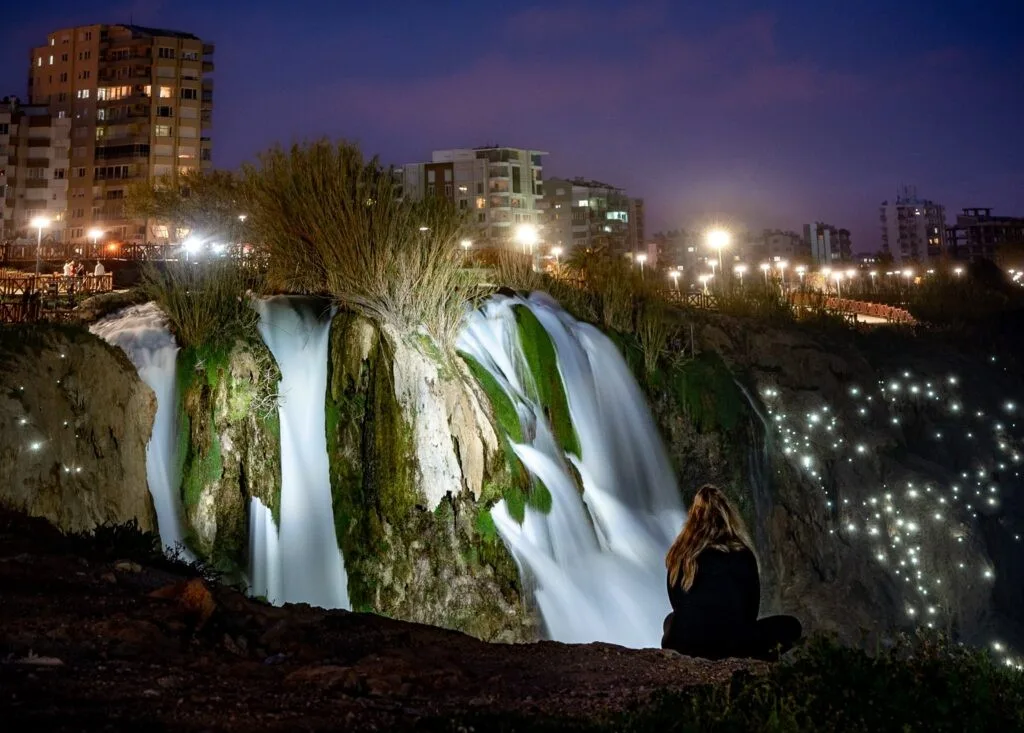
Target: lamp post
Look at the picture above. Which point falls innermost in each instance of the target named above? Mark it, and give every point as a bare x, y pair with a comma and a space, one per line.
740, 270
39, 223
704, 281
800, 270
782, 271
526, 235
873, 274
826, 273
641, 258
94, 234
958, 271
718, 239
838, 277
557, 252
764, 268
191, 246
674, 274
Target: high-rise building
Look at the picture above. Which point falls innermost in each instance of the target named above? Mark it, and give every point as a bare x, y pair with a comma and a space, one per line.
500, 187
825, 243
979, 234
913, 229
585, 214
635, 238
140, 102
34, 149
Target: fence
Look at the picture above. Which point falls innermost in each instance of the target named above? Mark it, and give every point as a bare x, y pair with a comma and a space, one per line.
26, 298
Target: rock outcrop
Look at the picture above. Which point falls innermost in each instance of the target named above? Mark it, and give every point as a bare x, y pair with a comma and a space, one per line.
230, 445
74, 423
412, 449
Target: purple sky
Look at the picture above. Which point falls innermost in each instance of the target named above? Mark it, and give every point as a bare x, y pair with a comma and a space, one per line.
736, 111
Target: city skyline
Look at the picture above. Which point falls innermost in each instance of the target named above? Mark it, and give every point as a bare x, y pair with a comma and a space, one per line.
734, 115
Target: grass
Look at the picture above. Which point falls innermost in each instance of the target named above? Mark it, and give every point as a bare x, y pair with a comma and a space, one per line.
205, 303
922, 685
333, 222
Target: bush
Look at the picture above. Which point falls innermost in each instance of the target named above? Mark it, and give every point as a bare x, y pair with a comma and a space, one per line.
332, 222
207, 302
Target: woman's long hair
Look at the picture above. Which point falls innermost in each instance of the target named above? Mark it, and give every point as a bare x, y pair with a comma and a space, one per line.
713, 523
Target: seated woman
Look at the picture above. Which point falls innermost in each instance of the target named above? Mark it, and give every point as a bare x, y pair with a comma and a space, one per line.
715, 590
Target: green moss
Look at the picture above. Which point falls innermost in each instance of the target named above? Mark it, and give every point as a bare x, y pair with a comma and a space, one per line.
515, 502
203, 471
542, 363
539, 497
484, 525
501, 404
705, 390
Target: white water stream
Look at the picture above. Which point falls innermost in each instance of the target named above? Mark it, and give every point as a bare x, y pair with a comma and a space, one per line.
141, 331
299, 562
598, 559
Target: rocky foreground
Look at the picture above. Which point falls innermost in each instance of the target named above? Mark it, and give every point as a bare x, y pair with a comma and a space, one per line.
95, 637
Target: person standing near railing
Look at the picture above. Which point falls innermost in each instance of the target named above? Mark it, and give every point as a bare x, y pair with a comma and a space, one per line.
99, 270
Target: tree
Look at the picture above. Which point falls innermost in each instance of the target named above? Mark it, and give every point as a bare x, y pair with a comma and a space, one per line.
209, 205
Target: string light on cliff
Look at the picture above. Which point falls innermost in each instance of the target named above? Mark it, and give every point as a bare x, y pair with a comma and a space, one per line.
917, 539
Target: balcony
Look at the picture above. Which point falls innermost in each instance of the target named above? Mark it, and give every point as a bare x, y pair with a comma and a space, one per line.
37, 163
498, 171
208, 49
207, 67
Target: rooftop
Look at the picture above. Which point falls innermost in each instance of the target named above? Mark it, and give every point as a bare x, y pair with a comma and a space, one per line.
146, 31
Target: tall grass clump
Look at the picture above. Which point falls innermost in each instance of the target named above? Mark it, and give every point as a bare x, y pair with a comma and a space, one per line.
333, 222
205, 302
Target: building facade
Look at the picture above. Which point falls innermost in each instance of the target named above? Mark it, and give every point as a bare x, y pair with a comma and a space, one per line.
140, 105
824, 243
585, 214
499, 187
784, 245
913, 229
979, 234
34, 150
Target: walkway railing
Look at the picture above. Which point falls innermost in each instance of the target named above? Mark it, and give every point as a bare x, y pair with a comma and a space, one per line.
887, 313
27, 298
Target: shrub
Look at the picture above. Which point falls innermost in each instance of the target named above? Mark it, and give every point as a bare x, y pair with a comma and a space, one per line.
333, 222
207, 302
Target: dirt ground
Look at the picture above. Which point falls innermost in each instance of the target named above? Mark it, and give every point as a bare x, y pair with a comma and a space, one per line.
85, 645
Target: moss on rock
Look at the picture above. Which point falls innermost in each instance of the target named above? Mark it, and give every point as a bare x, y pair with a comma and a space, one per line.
446, 566
229, 445
542, 364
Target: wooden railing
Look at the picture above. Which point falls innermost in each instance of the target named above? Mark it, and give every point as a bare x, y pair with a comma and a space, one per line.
888, 313
27, 298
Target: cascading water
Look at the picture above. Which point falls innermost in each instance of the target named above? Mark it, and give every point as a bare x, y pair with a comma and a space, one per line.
141, 331
597, 558
299, 562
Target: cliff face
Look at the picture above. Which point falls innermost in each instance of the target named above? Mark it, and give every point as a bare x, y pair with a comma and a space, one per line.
879, 473
74, 423
412, 450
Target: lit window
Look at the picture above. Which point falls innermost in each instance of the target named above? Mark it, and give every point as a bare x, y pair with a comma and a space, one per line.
39, 61
165, 92
51, 59
163, 131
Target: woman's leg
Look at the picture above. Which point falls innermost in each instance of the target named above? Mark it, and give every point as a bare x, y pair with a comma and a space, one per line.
776, 635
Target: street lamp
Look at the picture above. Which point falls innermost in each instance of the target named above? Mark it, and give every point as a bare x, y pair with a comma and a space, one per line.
641, 258
958, 271
782, 270
191, 246
740, 269
704, 281
94, 234
764, 268
557, 252
526, 235
719, 239
39, 223
674, 274
800, 270
874, 274
838, 278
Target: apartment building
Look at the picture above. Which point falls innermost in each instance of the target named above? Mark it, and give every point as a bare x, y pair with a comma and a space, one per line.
500, 188
913, 229
977, 233
585, 214
140, 105
34, 149
825, 243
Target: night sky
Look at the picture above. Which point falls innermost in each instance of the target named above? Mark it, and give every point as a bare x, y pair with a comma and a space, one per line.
754, 114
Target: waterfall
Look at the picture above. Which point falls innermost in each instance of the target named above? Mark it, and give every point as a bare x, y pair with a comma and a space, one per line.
141, 331
597, 559
299, 562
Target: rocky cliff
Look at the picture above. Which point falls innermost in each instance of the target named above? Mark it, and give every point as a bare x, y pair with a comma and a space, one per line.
74, 423
878, 471
414, 458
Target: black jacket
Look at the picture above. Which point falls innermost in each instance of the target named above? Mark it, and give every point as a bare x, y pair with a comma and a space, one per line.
717, 617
